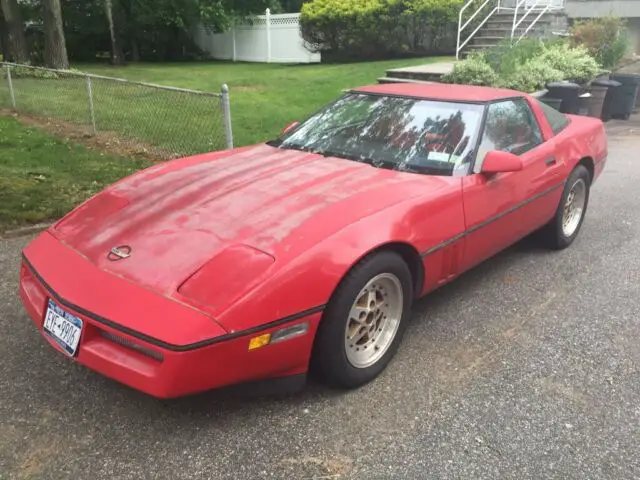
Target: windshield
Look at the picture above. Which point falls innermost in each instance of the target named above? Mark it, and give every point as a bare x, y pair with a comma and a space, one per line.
408, 134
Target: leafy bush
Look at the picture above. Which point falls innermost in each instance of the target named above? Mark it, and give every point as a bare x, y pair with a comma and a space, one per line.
475, 70
532, 76
606, 39
527, 67
379, 28
27, 72
574, 62
507, 57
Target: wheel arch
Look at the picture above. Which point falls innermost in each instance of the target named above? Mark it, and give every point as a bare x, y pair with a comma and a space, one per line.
409, 254
590, 165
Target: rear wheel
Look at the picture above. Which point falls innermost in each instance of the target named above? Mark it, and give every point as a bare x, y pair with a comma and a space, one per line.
565, 225
365, 320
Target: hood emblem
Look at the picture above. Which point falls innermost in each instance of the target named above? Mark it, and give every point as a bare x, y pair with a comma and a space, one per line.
119, 253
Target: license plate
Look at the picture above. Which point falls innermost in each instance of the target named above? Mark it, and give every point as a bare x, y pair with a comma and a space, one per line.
63, 327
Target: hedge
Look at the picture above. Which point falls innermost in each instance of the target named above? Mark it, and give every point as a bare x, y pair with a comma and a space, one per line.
368, 29
527, 67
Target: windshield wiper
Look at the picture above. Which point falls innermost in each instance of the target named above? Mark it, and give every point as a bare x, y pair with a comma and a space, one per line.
346, 156
291, 146
325, 153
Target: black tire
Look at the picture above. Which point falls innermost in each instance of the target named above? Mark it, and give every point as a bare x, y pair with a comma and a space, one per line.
329, 359
552, 234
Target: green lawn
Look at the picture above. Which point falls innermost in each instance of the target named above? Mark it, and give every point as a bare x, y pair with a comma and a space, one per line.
43, 177
264, 98
177, 123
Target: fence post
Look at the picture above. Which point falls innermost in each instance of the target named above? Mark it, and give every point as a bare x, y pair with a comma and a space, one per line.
226, 113
91, 110
233, 40
268, 24
11, 92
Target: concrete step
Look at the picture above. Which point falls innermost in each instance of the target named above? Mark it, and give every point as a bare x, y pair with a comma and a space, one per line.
477, 48
495, 32
414, 75
422, 73
499, 25
480, 39
383, 80
509, 16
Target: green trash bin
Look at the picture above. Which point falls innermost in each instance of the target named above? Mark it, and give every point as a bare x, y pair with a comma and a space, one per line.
625, 96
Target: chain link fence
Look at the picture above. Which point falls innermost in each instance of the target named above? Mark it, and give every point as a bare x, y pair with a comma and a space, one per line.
163, 122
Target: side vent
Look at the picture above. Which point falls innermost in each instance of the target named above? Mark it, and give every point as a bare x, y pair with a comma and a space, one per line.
450, 263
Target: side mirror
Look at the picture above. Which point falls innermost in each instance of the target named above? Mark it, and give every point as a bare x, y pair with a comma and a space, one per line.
290, 127
497, 161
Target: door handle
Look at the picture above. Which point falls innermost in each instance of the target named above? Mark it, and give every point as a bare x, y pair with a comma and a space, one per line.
550, 161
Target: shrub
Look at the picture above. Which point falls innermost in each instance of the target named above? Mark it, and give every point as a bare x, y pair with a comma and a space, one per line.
379, 28
506, 57
475, 70
27, 72
606, 39
532, 76
574, 62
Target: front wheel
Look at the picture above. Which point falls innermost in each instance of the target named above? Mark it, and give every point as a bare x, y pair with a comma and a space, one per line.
364, 322
565, 225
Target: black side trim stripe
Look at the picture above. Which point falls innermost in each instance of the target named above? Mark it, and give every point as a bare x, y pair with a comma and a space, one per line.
489, 221
160, 343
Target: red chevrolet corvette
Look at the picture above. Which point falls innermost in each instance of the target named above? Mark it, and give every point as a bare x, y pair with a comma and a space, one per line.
306, 251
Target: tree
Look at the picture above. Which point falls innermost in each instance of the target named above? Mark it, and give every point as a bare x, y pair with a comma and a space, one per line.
4, 37
55, 47
117, 56
16, 41
291, 6
146, 29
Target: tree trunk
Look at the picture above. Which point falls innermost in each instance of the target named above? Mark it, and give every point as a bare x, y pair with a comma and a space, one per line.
4, 37
55, 47
117, 56
135, 50
16, 41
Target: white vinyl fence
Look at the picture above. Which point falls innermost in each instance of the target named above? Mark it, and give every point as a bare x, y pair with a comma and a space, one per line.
265, 38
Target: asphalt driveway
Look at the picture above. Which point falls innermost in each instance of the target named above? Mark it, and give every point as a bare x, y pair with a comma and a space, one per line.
526, 367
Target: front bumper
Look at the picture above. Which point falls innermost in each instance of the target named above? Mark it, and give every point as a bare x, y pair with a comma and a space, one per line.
110, 346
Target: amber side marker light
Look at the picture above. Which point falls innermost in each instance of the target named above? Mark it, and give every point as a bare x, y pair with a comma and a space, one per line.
286, 333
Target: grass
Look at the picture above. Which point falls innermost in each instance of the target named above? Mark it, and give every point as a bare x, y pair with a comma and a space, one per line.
44, 177
177, 123
264, 98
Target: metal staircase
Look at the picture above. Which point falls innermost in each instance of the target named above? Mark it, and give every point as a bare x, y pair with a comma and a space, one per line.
483, 24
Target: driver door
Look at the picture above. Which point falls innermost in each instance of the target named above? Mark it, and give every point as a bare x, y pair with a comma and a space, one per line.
502, 208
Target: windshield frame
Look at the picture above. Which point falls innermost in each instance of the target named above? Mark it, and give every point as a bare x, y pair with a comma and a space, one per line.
278, 141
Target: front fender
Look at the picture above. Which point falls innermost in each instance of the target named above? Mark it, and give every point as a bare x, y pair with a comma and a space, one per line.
308, 280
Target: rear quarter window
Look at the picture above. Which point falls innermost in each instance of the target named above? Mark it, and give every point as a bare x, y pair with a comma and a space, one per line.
558, 121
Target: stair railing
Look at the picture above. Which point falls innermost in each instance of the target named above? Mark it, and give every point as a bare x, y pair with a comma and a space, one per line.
541, 6
460, 45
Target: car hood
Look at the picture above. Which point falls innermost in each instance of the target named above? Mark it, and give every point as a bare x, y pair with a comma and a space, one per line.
177, 216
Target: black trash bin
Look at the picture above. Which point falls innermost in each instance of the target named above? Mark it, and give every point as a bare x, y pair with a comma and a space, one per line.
624, 99
611, 85
568, 92
555, 103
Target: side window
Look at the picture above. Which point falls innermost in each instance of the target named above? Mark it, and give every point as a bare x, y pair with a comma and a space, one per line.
511, 127
557, 120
